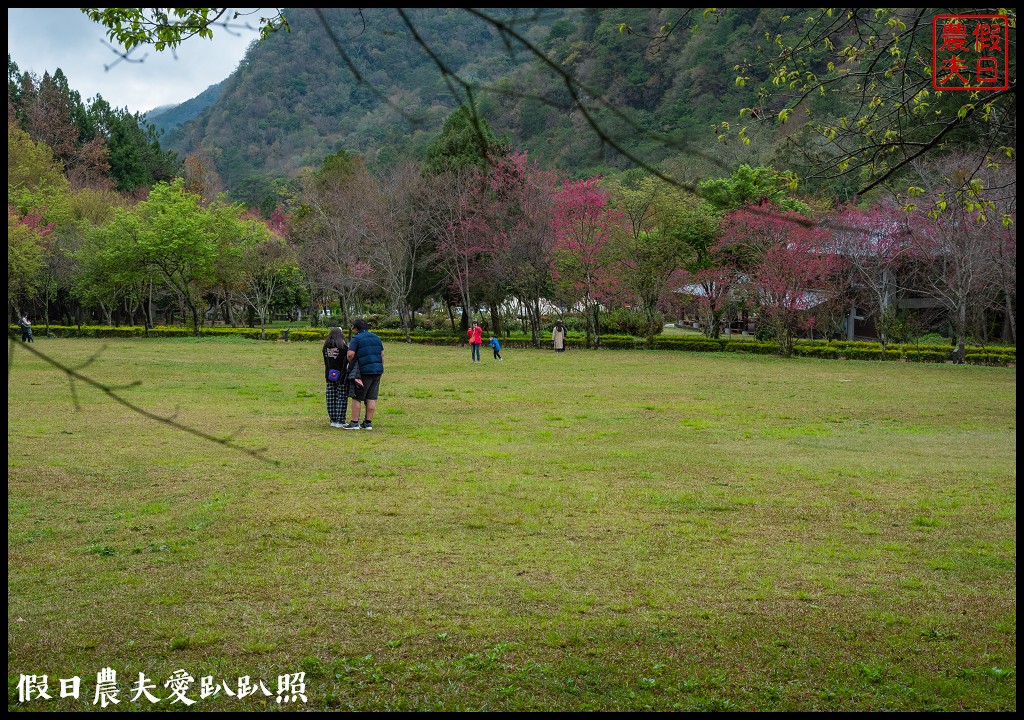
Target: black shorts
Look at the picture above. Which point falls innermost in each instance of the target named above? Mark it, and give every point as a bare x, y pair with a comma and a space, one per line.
367, 391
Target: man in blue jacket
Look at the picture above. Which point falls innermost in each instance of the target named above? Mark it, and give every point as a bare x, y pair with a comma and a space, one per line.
366, 357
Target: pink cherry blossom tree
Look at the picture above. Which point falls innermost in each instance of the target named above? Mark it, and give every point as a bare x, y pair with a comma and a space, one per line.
585, 225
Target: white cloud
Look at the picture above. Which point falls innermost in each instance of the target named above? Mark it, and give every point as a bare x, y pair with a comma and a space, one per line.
45, 39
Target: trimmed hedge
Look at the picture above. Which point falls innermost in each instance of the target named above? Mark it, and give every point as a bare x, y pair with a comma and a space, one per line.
858, 350
925, 354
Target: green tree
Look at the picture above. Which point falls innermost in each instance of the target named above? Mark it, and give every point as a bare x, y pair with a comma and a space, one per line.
174, 236
25, 256
466, 140
753, 186
34, 177
669, 227
267, 262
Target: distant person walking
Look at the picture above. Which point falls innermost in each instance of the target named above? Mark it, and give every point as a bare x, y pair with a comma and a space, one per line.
496, 347
558, 337
336, 373
26, 329
476, 339
367, 351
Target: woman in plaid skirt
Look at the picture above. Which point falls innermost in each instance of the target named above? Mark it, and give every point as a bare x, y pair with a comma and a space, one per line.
336, 372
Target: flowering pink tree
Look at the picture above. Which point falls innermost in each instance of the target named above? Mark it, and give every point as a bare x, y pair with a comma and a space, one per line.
585, 225
512, 217
716, 283
791, 269
875, 245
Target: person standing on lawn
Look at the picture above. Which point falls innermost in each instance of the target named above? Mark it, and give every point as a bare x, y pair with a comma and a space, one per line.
558, 337
476, 339
336, 373
496, 347
367, 351
26, 329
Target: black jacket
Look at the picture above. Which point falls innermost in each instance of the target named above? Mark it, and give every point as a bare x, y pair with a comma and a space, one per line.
336, 358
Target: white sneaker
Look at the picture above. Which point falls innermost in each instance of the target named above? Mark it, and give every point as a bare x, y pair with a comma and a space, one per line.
338, 425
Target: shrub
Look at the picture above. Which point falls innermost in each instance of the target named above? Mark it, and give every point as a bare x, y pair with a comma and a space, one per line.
990, 357
626, 321
933, 339
752, 346
926, 354
620, 342
815, 350
698, 344
862, 353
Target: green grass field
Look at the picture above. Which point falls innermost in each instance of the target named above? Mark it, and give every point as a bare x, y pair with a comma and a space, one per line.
589, 530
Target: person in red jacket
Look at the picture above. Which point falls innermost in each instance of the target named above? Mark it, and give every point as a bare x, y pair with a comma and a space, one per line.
476, 339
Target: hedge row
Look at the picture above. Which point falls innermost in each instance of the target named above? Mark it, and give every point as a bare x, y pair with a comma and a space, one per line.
802, 348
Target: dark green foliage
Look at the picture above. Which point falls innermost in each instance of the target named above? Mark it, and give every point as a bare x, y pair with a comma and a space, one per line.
466, 141
136, 159
626, 321
133, 151
296, 94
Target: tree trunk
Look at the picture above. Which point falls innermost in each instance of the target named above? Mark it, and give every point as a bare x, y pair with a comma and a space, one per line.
195, 317
403, 317
535, 322
495, 319
1011, 321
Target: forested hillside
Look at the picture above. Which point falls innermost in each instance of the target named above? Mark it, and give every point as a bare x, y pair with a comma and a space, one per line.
166, 119
296, 97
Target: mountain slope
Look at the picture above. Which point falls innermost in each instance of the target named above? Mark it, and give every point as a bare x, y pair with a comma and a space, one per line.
359, 80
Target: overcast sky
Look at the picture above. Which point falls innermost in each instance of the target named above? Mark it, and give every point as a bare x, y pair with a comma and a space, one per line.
43, 40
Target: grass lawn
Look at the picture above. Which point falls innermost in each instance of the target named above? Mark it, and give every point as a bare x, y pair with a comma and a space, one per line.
606, 530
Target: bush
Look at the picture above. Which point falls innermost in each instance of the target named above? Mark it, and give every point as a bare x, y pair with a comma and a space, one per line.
626, 321
863, 353
859, 350
698, 344
991, 356
815, 350
934, 339
926, 354
620, 342
752, 346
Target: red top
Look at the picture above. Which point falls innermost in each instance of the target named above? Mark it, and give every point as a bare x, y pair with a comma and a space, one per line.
475, 335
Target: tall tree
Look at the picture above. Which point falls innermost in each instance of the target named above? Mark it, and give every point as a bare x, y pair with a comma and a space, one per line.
875, 245
398, 239
328, 231
466, 140
788, 266
957, 235
585, 225
510, 215
175, 238
266, 261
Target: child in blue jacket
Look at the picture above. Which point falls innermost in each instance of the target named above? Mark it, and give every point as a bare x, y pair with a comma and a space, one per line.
496, 346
